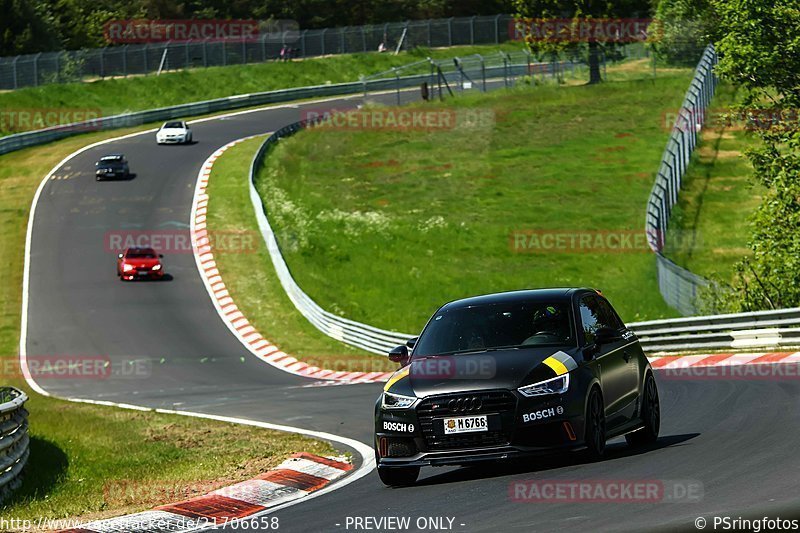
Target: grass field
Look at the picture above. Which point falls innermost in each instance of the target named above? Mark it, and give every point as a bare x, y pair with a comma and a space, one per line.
76, 468
112, 96
709, 228
251, 280
384, 226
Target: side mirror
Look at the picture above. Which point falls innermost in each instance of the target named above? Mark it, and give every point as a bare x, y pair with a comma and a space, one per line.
399, 355
412, 342
161, 256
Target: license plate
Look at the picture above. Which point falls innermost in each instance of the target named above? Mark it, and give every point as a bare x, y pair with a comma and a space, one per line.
466, 424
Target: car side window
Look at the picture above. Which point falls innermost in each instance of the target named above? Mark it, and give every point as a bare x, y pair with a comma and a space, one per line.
610, 317
590, 318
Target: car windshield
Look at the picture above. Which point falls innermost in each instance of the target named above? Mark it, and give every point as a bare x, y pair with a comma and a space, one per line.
496, 326
139, 254
111, 164
173, 125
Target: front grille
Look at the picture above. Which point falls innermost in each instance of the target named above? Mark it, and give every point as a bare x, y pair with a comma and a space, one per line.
501, 403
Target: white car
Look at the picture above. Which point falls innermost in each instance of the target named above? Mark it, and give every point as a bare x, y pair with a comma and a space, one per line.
174, 132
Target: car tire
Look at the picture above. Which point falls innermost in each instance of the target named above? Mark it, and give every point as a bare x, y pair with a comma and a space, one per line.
595, 432
651, 415
398, 476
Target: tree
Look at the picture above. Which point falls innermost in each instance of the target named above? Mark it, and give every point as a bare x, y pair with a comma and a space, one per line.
759, 48
579, 12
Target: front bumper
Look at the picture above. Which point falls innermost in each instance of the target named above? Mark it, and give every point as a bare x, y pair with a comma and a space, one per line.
171, 140
142, 274
517, 426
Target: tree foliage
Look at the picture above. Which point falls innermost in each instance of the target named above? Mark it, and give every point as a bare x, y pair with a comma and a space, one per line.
684, 29
759, 48
579, 10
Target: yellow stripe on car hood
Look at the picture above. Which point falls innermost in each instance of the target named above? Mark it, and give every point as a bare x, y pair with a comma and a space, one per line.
400, 374
557, 366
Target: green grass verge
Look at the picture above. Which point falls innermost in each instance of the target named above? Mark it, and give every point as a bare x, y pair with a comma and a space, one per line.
384, 226
76, 466
709, 227
112, 96
251, 280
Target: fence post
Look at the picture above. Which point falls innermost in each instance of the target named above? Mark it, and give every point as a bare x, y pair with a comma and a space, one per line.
102, 62
497, 29
303, 43
472, 30
144, 59
224, 53
363, 39
125, 60
430, 29
14, 70
341, 39
36, 69
450, 31
205, 52
244, 50
322, 40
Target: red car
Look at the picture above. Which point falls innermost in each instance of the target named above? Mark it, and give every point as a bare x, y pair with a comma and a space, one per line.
139, 263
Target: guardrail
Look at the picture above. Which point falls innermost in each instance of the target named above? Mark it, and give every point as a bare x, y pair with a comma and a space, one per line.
778, 328
14, 439
18, 141
678, 286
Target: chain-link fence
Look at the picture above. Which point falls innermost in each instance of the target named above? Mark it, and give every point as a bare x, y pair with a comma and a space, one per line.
141, 59
680, 287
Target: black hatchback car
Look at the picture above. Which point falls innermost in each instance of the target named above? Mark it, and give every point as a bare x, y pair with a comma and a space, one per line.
112, 166
512, 374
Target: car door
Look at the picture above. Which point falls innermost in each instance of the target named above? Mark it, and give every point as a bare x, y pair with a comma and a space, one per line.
629, 377
612, 367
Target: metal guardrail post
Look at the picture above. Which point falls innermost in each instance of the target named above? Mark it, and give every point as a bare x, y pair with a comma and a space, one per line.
14, 439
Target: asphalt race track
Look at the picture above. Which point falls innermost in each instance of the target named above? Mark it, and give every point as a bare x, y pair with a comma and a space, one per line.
736, 439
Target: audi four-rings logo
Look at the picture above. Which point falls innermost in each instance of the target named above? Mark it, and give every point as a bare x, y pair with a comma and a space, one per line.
462, 405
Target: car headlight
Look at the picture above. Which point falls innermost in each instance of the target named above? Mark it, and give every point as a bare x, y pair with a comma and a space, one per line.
127, 268
557, 385
397, 401
157, 267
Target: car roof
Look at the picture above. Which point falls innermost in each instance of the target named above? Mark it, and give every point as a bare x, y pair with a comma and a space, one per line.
543, 295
